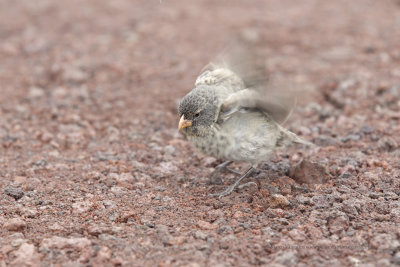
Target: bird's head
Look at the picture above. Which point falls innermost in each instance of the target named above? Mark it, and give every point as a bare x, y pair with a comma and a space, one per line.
198, 111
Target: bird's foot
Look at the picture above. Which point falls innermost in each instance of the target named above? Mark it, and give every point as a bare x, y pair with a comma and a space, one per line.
223, 166
225, 193
230, 189
233, 171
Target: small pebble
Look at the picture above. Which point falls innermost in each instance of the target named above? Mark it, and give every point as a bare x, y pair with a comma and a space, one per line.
206, 225
15, 224
14, 192
278, 201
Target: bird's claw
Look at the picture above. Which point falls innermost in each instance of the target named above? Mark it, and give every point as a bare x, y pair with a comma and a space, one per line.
247, 185
225, 193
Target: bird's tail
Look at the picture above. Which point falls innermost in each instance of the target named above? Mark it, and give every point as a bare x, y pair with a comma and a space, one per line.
292, 138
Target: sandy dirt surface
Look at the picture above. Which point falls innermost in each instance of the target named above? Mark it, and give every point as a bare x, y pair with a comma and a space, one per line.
93, 171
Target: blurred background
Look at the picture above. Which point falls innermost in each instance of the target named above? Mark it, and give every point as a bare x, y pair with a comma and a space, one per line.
142, 54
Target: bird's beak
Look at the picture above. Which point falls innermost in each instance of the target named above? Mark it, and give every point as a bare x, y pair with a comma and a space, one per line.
184, 123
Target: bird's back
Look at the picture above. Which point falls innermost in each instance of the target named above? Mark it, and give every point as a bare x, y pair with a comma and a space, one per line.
253, 136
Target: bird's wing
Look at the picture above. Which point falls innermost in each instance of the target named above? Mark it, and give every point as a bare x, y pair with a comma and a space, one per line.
219, 75
276, 107
241, 72
237, 67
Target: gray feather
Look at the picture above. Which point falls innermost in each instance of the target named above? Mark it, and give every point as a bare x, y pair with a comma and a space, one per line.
236, 110
244, 73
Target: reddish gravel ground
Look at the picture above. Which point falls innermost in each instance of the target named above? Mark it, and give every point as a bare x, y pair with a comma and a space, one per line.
93, 171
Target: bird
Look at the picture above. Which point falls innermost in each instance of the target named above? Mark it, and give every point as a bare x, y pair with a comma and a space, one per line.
233, 114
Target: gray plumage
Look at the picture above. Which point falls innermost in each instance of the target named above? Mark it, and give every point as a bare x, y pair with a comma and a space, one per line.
230, 115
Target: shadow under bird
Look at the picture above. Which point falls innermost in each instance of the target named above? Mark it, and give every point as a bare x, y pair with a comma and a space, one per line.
234, 115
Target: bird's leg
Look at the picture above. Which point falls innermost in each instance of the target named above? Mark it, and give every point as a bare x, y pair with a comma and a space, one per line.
215, 178
224, 166
230, 189
221, 167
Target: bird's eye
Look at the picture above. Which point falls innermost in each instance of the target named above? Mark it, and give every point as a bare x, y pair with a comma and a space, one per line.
197, 114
